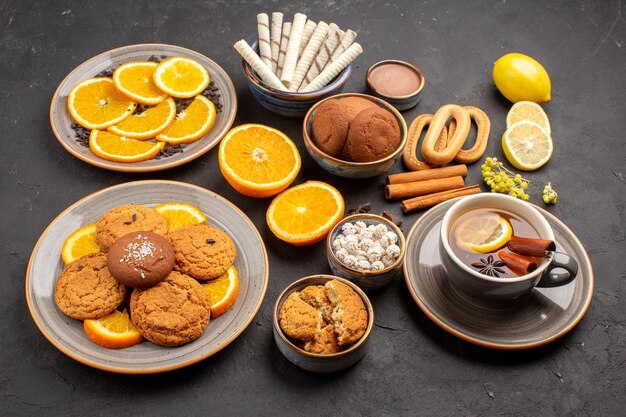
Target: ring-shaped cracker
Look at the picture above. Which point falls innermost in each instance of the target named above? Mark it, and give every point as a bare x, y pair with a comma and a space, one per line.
483, 125
409, 156
455, 142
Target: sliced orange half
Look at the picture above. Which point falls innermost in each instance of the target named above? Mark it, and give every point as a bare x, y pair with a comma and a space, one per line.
80, 243
180, 215
135, 80
116, 148
222, 291
258, 161
304, 214
147, 124
192, 123
95, 103
114, 331
181, 77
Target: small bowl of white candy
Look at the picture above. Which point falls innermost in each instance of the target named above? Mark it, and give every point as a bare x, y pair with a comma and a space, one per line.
366, 249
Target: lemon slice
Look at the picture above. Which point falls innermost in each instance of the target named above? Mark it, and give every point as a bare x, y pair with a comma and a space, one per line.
527, 145
530, 112
484, 233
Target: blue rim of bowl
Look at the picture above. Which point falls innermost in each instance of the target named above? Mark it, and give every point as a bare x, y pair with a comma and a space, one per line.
372, 217
291, 287
252, 76
404, 63
382, 103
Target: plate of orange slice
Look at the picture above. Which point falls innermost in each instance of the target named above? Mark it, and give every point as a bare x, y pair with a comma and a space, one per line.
142, 108
104, 343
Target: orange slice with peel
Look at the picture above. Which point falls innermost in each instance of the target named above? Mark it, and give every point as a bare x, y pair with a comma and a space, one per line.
80, 243
192, 123
180, 215
116, 148
181, 77
135, 80
257, 160
222, 291
147, 124
304, 214
95, 103
114, 331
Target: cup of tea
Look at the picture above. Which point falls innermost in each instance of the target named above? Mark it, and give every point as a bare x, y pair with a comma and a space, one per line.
497, 247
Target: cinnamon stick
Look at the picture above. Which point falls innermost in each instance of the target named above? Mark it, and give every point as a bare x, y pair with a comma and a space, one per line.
520, 265
413, 189
530, 246
428, 174
430, 200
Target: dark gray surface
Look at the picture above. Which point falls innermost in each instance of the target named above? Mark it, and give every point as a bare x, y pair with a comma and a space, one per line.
413, 367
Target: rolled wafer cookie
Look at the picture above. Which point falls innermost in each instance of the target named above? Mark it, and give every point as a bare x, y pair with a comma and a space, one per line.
309, 28
335, 68
322, 57
275, 35
284, 40
265, 50
347, 39
309, 53
255, 62
293, 47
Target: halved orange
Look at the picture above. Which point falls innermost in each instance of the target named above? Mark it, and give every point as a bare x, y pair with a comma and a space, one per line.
95, 103
180, 215
116, 148
181, 77
80, 243
258, 161
114, 331
222, 291
147, 124
135, 80
192, 123
304, 214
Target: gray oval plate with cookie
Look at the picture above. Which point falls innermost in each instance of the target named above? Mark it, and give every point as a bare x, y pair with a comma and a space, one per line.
67, 334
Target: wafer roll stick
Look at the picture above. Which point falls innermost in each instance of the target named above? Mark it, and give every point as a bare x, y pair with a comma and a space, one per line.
335, 68
293, 47
255, 62
284, 40
309, 53
265, 50
347, 39
308, 31
322, 56
275, 35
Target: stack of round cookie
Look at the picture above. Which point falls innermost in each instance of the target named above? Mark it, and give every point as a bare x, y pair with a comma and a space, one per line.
168, 304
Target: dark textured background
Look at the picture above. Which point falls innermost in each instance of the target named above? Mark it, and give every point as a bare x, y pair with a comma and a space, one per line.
413, 367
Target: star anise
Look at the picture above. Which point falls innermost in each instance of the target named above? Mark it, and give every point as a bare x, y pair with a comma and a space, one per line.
363, 208
490, 267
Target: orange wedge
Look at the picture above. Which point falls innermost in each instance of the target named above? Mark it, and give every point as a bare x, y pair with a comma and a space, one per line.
192, 123
180, 215
181, 77
95, 103
258, 161
135, 80
304, 214
114, 331
80, 243
147, 124
222, 291
116, 148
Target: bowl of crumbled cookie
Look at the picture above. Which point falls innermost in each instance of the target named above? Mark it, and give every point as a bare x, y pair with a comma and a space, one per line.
322, 323
366, 249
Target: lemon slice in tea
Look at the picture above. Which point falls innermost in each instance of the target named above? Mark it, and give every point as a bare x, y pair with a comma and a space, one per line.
484, 233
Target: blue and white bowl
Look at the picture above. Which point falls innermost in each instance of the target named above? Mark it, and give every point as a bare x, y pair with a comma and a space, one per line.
287, 103
315, 362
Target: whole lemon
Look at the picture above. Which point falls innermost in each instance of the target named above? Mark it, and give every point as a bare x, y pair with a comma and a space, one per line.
521, 78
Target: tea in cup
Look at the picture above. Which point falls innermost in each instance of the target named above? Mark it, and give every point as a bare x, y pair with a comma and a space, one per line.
494, 246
